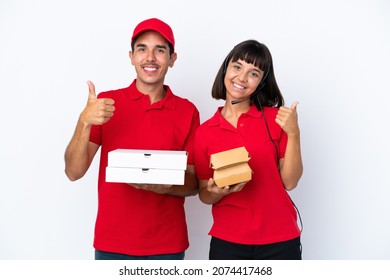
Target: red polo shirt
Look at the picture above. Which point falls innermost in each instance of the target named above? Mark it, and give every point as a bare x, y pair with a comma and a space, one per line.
262, 212
132, 221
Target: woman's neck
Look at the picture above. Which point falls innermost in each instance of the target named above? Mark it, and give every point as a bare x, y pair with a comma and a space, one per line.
232, 112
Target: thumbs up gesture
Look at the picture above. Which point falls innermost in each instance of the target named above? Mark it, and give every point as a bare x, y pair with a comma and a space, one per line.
98, 110
287, 118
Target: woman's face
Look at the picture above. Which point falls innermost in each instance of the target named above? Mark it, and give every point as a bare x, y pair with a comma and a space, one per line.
241, 80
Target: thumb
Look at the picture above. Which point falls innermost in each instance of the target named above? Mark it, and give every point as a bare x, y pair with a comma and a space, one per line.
92, 93
294, 105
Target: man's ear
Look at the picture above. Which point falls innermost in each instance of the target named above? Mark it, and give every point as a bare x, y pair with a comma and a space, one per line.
131, 57
172, 59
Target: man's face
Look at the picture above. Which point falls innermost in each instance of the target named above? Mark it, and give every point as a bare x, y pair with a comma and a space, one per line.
151, 58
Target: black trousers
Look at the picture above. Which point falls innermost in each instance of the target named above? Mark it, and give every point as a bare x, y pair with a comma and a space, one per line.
225, 250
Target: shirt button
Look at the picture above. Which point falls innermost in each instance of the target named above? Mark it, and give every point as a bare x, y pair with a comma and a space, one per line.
241, 124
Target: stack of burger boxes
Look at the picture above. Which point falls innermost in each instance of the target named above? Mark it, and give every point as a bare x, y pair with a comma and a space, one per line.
231, 167
146, 166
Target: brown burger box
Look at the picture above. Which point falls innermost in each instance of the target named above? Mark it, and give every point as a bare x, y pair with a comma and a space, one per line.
231, 167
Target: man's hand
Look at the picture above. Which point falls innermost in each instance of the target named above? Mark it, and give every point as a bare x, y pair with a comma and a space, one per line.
98, 110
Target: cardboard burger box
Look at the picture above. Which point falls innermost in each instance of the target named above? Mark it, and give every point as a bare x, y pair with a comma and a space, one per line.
146, 166
231, 167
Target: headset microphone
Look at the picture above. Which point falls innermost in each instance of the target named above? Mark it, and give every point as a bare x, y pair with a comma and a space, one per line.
238, 101
253, 94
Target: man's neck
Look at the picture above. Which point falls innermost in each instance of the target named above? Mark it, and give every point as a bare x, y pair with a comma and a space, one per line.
156, 92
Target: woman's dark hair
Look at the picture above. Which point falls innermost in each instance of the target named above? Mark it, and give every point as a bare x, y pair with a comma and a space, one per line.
253, 52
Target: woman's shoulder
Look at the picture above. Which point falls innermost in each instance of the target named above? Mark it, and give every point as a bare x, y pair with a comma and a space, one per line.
270, 112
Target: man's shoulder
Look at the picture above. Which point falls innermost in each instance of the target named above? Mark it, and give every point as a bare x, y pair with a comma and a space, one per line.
113, 92
184, 102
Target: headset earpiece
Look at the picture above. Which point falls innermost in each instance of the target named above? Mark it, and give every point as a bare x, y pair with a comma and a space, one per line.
225, 64
262, 83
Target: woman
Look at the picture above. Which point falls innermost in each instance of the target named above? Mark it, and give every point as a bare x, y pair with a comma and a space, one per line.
254, 219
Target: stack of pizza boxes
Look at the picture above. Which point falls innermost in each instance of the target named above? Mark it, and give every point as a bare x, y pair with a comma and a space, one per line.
146, 166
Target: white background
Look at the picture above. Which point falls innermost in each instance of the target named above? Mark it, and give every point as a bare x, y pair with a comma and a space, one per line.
332, 56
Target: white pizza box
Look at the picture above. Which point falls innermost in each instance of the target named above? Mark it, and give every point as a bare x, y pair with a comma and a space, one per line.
136, 158
145, 175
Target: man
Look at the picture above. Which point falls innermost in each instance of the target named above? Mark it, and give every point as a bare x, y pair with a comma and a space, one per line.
138, 221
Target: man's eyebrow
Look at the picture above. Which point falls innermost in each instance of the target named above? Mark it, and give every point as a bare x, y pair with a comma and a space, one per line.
161, 46
157, 46
140, 45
